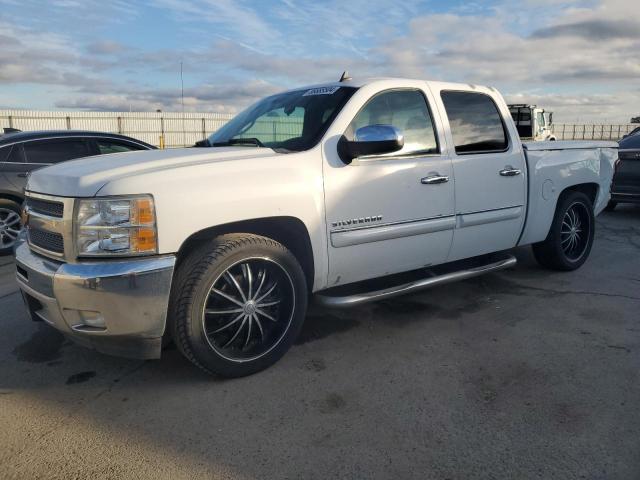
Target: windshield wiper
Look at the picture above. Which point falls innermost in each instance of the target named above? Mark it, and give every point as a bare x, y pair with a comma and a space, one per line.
239, 141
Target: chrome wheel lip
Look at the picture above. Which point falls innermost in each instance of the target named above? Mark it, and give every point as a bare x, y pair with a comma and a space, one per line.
284, 331
8, 219
575, 229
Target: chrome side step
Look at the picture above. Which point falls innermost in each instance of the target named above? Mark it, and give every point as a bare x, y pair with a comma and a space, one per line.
353, 300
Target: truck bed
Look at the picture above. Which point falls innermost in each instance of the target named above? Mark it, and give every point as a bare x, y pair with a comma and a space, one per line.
553, 166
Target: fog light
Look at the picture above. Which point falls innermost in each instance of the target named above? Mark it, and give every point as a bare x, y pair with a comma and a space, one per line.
84, 319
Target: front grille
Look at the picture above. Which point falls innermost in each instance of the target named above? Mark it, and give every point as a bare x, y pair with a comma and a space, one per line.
50, 241
45, 207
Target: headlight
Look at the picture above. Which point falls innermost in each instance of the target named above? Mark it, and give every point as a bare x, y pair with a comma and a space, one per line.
116, 226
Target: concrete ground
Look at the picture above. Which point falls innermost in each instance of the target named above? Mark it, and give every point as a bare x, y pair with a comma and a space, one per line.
522, 374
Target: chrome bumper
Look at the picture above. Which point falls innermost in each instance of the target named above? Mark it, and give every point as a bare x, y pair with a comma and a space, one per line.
118, 307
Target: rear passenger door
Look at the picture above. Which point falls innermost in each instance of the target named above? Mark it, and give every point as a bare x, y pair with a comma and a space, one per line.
489, 172
13, 168
41, 153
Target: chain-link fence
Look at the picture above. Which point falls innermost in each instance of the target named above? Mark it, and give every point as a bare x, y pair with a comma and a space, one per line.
174, 129
571, 131
168, 129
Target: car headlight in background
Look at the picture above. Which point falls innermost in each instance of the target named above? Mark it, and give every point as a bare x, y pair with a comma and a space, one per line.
116, 226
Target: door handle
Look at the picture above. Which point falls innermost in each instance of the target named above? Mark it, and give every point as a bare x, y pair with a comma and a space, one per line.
434, 179
23, 175
509, 171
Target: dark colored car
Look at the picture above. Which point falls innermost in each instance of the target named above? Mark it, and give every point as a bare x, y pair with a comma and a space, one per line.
626, 181
23, 152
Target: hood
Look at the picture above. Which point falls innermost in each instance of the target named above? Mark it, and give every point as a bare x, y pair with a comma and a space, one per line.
84, 177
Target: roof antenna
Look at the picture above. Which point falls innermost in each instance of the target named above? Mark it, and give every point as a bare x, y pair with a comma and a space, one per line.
345, 77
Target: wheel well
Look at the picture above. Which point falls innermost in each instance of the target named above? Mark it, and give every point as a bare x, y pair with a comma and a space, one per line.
589, 189
289, 231
13, 198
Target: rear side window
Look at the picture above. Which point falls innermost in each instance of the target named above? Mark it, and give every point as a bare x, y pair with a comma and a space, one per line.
406, 110
54, 151
476, 124
11, 154
114, 146
632, 141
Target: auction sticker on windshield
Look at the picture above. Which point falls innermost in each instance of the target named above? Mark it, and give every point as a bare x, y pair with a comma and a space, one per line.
321, 91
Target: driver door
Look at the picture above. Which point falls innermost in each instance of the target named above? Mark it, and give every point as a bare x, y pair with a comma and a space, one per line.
383, 214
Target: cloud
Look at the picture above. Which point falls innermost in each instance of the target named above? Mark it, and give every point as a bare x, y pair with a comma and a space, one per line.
236, 17
592, 30
105, 47
209, 98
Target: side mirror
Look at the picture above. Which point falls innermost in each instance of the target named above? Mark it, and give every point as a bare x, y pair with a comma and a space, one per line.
370, 140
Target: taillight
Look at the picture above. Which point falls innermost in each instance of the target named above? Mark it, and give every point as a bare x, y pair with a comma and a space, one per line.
616, 165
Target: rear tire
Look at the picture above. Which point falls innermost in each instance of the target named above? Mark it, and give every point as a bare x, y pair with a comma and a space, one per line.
611, 206
570, 237
10, 225
237, 304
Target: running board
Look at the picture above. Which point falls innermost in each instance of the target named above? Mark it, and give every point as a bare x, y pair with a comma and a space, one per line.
354, 299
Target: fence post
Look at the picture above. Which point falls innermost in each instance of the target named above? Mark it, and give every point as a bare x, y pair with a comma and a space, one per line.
68, 118
162, 139
10, 121
204, 129
120, 125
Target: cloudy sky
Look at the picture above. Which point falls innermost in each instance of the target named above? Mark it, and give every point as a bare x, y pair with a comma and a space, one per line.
580, 58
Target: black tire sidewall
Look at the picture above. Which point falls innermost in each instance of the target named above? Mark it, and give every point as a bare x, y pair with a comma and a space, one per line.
560, 258
9, 205
206, 356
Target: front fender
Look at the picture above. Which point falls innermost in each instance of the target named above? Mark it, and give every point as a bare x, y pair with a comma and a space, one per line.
199, 197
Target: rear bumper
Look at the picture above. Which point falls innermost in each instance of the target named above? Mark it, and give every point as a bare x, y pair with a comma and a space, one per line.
118, 307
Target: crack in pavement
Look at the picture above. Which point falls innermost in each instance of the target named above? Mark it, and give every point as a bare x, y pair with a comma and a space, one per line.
9, 294
576, 292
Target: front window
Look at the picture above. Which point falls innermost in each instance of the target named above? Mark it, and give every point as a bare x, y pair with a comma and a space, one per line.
406, 110
113, 146
287, 122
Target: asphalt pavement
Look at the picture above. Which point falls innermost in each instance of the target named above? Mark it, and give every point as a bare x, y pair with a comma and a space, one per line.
521, 374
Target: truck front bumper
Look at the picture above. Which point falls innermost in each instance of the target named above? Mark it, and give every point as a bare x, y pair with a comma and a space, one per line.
118, 307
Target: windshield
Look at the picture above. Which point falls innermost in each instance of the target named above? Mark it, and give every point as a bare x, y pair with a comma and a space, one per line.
287, 122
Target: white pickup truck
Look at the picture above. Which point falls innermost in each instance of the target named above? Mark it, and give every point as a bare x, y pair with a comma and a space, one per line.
349, 191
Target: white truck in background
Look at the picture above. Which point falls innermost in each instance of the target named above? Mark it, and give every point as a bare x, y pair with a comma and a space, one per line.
376, 188
533, 123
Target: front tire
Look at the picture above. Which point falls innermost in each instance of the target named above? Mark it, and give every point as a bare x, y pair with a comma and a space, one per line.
570, 237
238, 304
